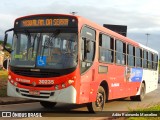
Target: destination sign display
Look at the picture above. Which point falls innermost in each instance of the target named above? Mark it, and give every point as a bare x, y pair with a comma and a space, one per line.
46, 22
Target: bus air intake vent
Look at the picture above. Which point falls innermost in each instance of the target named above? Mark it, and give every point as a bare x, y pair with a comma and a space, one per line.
43, 94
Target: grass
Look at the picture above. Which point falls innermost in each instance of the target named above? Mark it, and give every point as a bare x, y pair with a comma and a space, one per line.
146, 112
3, 83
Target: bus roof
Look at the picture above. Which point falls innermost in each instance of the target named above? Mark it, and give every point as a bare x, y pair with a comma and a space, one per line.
147, 48
46, 15
107, 31
102, 29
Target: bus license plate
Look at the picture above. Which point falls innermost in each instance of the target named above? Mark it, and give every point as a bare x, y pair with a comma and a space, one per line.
34, 92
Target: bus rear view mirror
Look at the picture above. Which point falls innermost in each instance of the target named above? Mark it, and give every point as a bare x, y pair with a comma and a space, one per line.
5, 64
5, 41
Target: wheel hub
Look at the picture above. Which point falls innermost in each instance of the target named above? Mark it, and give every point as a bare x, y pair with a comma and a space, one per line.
100, 100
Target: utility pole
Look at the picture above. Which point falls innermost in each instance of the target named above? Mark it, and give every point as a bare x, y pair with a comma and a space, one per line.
147, 38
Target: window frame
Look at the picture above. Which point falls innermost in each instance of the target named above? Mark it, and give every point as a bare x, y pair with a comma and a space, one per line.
111, 49
131, 55
145, 58
83, 61
155, 62
122, 52
139, 57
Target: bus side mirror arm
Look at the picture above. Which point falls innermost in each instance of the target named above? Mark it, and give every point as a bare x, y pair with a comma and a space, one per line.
5, 41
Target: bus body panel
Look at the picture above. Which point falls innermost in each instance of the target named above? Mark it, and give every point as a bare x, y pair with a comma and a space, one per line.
85, 86
150, 77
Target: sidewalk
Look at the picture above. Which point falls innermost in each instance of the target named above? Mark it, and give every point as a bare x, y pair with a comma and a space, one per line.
14, 100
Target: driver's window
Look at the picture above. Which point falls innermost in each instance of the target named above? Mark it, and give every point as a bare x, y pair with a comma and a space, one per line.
88, 38
82, 50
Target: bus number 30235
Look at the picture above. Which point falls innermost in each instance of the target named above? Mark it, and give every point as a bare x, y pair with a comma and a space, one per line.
45, 82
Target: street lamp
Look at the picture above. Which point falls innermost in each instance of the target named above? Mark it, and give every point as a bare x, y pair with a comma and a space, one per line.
147, 38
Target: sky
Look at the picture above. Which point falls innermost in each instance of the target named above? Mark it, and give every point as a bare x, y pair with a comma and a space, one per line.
140, 16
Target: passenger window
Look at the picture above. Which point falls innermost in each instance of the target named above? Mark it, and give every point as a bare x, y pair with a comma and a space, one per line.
138, 57
155, 61
120, 52
106, 48
150, 60
145, 57
131, 55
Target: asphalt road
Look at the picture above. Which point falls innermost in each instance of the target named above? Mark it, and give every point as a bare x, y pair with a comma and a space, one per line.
70, 110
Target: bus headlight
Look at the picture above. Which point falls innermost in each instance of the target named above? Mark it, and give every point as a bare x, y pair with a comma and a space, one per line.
12, 81
9, 77
15, 83
70, 82
56, 87
63, 85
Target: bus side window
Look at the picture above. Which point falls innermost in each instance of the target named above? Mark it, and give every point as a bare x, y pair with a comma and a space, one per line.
82, 50
120, 52
138, 57
88, 38
155, 61
131, 55
145, 57
106, 48
150, 59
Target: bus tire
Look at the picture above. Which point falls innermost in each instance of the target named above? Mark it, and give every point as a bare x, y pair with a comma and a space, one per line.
98, 105
141, 96
48, 105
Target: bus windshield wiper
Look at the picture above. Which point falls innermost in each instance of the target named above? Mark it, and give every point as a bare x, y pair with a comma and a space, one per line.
29, 41
53, 35
34, 43
28, 34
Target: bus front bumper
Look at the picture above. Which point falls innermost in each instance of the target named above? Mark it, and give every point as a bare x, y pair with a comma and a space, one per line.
66, 95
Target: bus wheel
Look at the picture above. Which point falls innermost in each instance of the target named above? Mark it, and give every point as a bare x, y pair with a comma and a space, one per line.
48, 105
98, 105
141, 96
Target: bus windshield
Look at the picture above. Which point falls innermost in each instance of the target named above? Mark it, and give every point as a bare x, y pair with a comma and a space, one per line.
55, 50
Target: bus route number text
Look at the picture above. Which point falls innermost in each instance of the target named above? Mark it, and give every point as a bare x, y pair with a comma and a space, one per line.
46, 82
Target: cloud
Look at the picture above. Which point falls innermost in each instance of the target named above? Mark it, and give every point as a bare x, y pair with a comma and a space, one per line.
7, 21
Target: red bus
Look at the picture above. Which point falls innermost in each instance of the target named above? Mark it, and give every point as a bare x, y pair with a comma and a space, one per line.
69, 59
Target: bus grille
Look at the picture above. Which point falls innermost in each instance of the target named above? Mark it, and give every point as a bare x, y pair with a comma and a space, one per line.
46, 86
43, 94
